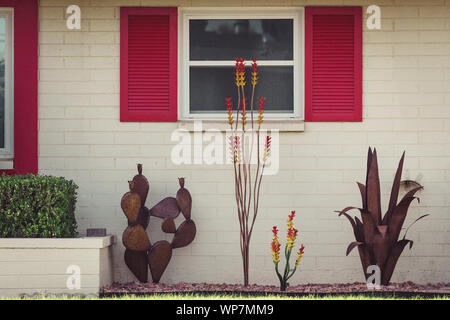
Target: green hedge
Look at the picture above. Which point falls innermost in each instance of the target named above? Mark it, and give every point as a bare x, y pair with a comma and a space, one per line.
33, 206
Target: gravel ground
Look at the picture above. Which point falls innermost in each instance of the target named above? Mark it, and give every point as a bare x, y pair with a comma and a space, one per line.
135, 287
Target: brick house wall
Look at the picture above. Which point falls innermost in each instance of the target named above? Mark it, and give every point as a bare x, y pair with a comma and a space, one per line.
406, 106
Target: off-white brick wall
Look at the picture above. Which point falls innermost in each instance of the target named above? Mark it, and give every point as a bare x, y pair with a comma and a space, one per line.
406, 107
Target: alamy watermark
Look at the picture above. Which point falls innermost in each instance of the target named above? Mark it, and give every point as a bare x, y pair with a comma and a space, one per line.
73, 20
73, 281
211, 147
374, 19
374, 280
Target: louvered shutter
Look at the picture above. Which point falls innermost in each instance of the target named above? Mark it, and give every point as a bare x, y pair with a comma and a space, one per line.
333, 64
148, 64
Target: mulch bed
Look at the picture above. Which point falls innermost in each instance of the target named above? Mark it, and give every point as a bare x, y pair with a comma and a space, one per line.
401, 289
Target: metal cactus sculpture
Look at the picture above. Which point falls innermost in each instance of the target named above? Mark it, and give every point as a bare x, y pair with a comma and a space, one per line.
140, 254
377, 236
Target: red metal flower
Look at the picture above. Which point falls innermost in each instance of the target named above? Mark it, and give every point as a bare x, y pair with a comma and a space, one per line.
262, 100
267, 148
254, 66
292, 215
240, 72
229, 104
302, 248
275, 231
268, 142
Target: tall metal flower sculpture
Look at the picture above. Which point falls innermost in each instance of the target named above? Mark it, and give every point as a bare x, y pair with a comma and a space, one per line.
275, 246
377, 236
247, 190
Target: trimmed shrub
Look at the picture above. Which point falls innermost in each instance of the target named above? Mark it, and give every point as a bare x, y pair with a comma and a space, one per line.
34, 206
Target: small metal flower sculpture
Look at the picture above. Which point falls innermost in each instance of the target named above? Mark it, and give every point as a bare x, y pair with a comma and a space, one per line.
247, 189
275, 246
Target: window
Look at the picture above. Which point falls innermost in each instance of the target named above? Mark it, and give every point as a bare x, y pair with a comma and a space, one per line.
6, 85
213, 39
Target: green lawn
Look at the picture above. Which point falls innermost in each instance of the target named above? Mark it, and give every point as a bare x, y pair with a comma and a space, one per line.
229, 297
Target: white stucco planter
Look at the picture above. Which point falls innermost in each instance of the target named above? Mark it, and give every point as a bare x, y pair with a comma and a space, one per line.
43, 266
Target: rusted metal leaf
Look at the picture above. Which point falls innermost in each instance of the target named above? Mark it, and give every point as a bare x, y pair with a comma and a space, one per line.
165, 208
141, 185
346, 209
135, 238
369, 160
398, 218
406, 231
364, 256
168, 225
184, 235
395, 189
184, 200
131, 204
137, 262
360, 229
369, 227
373, 193
362, 190
352, 222
352, 245
391, 261
412, 192
158, 259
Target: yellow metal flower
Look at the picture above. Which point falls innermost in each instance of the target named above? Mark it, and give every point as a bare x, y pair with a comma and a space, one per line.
240, 72
254, 73
275, 246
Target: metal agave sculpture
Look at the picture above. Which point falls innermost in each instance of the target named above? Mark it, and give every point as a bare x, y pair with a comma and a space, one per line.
377, 236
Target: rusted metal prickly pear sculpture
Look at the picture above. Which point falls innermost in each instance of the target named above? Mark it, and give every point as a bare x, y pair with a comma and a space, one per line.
140, 254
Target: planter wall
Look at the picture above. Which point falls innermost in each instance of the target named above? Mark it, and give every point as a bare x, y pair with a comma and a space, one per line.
40, 266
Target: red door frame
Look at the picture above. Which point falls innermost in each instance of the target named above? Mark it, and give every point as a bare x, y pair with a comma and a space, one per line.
25, 85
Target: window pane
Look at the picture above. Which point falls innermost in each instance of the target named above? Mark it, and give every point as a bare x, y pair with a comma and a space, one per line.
2, 80
210, 85
223, 39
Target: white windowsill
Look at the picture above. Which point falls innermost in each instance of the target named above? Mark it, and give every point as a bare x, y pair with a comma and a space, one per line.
6, 164
293, 125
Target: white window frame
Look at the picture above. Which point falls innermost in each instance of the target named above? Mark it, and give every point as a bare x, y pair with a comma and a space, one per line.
184, 64
7, 153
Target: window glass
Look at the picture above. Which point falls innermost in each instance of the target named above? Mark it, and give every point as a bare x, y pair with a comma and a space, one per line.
225, 39
210, 85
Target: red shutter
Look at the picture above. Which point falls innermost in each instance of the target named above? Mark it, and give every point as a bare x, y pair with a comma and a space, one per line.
148, 64
333, 64
25, 86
